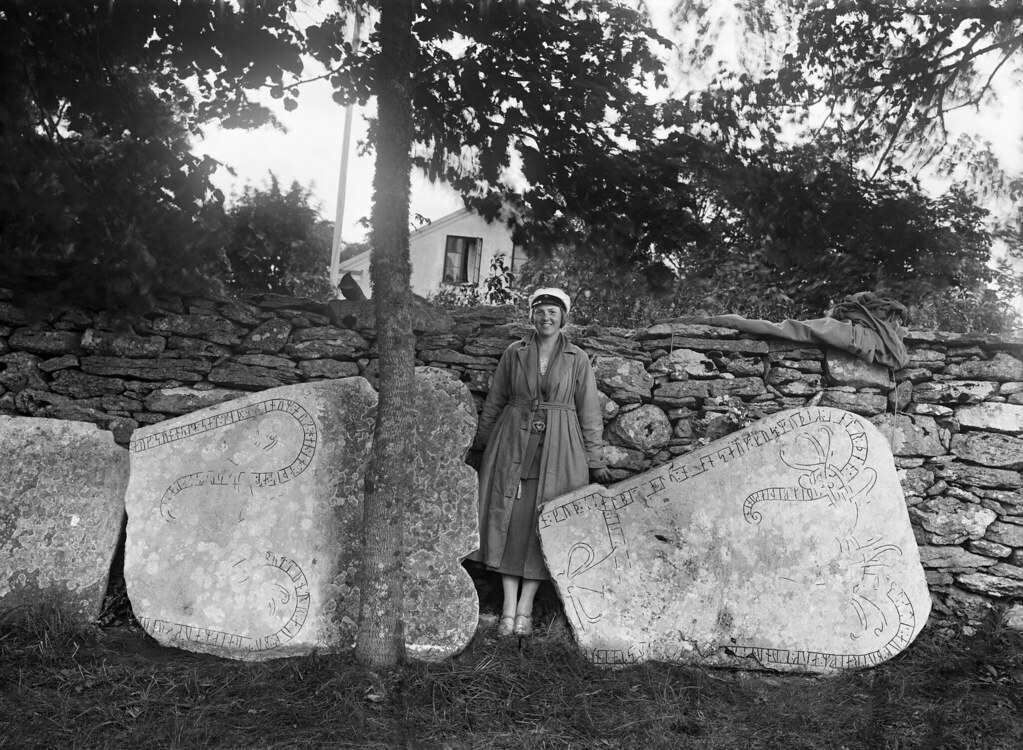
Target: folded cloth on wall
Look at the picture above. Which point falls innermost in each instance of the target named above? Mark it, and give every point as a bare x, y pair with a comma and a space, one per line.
864, 324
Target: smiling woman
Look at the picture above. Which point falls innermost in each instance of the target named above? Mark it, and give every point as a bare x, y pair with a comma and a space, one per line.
542, 428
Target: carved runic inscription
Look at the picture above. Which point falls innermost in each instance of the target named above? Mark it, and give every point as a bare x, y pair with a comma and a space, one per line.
786, 545
219, 502
286, 589
230, 476
834, 471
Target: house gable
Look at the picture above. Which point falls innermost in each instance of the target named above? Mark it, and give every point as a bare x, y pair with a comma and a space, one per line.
461, 246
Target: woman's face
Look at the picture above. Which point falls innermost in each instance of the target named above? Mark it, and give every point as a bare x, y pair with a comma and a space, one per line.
547, 319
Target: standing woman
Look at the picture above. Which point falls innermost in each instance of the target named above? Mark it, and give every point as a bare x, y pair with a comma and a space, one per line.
542, 429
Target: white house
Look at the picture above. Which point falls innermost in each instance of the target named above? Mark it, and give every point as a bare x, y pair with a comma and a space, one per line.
455, 250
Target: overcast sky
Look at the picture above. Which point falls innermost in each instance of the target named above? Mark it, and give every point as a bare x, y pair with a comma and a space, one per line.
309, 151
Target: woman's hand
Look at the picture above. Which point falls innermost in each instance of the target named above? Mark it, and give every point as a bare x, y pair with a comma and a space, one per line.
601, 475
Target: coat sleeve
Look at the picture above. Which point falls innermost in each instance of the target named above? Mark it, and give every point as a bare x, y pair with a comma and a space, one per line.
497, 399
587, 408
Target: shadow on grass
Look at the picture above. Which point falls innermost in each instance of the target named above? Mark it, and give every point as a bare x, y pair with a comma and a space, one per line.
116, 688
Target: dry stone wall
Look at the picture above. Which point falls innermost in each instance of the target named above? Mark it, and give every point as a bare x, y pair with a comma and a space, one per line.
953, 415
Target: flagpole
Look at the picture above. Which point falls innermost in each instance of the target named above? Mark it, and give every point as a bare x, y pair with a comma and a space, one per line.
339, 214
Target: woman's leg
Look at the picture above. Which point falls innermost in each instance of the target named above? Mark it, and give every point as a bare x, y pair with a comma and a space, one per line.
506, 624
529, 588
510, 584
524, 609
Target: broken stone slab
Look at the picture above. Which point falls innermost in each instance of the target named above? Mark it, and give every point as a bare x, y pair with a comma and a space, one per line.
683, 364
957, 392
675, 393
785, 546
1006, 418
978, 476
196, 325
610, 343
269, 336
741, 346
327, 368
1001, 367
47, 343
626, 381
183, 400
847, 369
61, 509
109, 344
1008, 534
644, 428
189, 370
244, 522
343, 344
20, 370
989, 449
911, 435
80, 385
659, 330
992, 585
950, 521
234, 375
952, 557
867, 404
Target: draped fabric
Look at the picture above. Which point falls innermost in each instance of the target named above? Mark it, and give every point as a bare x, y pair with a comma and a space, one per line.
863, 324
572, 441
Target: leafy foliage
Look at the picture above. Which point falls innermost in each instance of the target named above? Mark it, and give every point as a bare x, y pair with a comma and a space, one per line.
499, 289
602, 290
276, 242
779, 147
884, 75
98, 103
724, 213
905, 66
537, 113
812, 229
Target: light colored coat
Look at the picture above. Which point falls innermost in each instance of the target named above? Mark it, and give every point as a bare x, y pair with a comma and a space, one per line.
572, 445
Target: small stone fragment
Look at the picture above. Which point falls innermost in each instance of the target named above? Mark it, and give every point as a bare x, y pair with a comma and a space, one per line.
62, 489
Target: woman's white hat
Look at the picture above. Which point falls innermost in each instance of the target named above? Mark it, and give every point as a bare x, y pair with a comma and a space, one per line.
550, 295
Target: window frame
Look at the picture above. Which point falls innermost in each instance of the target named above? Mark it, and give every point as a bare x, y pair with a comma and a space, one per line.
468, 274
518, 253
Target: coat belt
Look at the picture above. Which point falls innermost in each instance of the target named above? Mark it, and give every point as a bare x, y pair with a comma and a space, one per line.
535, 404
535, 437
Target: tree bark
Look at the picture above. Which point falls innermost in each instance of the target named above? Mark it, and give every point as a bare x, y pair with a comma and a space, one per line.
380, 636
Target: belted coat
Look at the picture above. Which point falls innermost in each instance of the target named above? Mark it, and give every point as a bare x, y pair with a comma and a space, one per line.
572, 444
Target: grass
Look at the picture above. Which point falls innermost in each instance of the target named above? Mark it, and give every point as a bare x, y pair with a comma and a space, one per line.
113, 687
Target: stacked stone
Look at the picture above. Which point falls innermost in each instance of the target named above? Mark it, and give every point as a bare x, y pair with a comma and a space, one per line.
954, 414
189, 354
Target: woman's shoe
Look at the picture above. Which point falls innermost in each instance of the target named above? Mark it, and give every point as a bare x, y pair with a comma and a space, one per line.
523, 625
505, 627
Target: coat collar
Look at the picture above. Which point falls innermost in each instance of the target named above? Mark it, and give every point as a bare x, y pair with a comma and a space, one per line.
526, 354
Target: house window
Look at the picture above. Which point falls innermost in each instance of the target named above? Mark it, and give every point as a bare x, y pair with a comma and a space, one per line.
518, 260
462, 260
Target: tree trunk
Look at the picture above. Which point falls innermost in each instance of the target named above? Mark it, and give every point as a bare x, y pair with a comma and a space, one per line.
380, 637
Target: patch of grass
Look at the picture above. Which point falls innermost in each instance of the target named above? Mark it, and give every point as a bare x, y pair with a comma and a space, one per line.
115, 688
